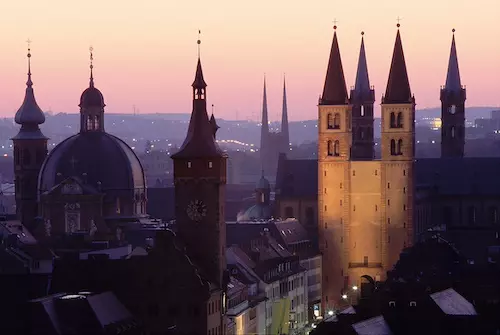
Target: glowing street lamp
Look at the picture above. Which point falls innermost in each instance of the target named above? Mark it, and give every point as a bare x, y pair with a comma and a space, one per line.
330, 312
344, 296
354, 288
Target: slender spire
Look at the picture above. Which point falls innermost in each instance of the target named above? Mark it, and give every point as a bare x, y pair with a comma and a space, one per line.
91, 84
200, 141
264, 130
362, 85
29, 113
453, 83
284, 120
398, 86
335, 90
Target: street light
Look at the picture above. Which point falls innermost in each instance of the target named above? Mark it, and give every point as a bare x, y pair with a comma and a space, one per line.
330, 312
344, 296
354, 288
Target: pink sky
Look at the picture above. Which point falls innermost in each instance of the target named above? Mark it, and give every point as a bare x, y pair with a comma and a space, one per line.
145, 51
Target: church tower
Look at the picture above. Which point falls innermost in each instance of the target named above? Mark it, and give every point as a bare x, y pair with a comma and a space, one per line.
264, 129
285, 134
200, 179
30, 150
453, 96
334, 153
398, 155
362, 99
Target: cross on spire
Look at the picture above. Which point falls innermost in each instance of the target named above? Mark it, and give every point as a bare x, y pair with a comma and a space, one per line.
335, 23
29, 83
91, 50
399, 20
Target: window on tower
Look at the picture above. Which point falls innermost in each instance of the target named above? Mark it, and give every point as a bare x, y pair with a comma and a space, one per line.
336, 121
452, 109
336, 148
330, 121
400, 147
330, 148
362, 111
26, 157
399, 120
452, 130
392, 120
90, 122
96, 122
393, 147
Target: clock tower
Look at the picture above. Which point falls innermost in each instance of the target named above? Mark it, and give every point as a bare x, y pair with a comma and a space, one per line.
200, 179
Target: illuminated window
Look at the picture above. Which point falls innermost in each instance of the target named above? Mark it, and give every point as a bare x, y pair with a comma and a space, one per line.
362, 112
336, 121
210, 165
189, 165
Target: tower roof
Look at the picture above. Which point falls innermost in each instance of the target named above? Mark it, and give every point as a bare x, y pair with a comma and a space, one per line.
29, 113
284, 119
398, 86
199, 82
362, 85
335, 90
92, 97
200, 141
214, 124
453, 82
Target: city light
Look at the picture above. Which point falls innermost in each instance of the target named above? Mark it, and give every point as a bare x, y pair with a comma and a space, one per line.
354, 288
330, 312
344, 296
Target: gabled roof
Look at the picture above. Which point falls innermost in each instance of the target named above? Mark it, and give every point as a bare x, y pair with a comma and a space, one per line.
335, 90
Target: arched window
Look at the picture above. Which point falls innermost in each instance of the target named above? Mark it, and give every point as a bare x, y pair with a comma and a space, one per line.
336, 121
330, 121
336, 148
399, 121
26, 157
400, 147
393, 148
361, 134
393, 120
90, 122
96, 122
330, 148
452, 131
288, 212
362, 111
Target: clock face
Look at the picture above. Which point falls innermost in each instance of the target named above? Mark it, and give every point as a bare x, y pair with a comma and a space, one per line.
196, 210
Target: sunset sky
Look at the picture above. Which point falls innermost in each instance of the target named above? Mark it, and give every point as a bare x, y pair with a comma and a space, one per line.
145, 51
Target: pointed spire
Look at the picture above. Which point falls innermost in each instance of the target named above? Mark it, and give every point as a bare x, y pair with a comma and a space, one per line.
453, 83
29, 113
362, 85
200, 141
199, 82
91, 96
264, 130
335, 89
398, 86
285, 134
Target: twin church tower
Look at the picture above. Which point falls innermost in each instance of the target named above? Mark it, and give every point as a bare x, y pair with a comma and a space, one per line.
365, 205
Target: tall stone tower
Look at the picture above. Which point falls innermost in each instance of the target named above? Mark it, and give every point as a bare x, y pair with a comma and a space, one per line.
453, 96
365, 206
398, 155
30, 150
362, 99
200, 181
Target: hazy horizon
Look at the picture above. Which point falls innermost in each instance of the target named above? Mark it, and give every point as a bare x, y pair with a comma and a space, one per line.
145, 53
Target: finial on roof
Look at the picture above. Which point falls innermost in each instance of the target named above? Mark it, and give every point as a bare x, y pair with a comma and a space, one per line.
335, 24
91, 49
199, 42
29, 83
453, 30
399, 20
